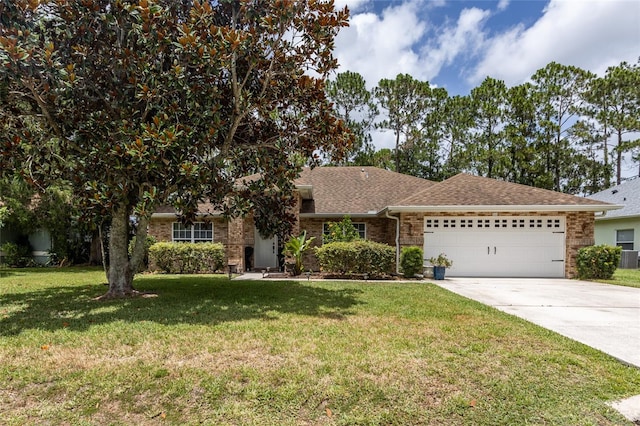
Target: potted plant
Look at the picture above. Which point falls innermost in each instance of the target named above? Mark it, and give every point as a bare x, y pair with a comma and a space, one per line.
440, 263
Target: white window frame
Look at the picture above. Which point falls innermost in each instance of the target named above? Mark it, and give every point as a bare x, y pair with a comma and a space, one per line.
626, 244
361, 228
192, 233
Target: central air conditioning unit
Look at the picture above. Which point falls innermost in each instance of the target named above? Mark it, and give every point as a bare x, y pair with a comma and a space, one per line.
629, 259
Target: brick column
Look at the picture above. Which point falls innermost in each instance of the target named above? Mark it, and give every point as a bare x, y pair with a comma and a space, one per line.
235, 243
580, 233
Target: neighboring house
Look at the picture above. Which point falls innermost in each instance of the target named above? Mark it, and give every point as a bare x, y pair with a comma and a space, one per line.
487, 227
39, 240
620, 227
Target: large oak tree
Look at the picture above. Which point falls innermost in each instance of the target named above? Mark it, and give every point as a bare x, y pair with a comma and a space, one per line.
137, 103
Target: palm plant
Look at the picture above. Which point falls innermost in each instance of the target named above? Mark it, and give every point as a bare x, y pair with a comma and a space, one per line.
295, 248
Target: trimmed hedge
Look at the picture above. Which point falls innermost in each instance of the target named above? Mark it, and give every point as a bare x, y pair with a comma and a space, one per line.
356, 257
187, 258
411, 261
598, 262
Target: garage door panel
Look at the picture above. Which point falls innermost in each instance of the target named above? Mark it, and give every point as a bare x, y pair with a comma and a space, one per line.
505, 246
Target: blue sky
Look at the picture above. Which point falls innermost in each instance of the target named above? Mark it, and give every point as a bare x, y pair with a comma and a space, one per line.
457, 43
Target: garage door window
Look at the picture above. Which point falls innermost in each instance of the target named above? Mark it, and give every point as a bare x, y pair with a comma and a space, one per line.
483, 223
624, 239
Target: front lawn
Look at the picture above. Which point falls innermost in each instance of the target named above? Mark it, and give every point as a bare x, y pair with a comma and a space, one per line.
625, 277
207, 350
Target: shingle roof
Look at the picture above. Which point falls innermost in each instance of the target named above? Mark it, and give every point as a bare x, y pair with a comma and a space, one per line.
369, 190
626, 194
468, 190
357, 190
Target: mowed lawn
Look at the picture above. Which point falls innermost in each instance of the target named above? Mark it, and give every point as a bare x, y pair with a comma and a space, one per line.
625, 277
206, 350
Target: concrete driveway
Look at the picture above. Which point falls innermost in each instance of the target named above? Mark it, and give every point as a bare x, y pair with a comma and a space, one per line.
605, 317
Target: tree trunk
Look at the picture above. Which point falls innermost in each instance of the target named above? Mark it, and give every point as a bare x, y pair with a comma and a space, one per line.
95, 252
397, 151
619, 159
120, 272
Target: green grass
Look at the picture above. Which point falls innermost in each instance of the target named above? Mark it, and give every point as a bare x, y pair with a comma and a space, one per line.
207, 350
625, 277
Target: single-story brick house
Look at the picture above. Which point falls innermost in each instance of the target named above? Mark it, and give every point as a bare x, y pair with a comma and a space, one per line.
487, 227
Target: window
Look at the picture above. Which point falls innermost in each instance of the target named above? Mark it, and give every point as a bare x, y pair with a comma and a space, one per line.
199, 232
624, 239
359, 226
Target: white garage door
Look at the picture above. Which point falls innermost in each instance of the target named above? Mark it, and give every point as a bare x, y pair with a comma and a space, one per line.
504, 246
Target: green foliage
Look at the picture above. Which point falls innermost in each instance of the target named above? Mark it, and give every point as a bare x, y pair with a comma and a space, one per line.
406, 102
565, 129
342, 231
353, 103
53, 209
137, 100
411, 261
598, 262
17, 255
356, 257
441, 260
187, 258
4, 214
296, 248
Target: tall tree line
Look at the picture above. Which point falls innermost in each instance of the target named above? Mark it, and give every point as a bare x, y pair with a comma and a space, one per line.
566, 129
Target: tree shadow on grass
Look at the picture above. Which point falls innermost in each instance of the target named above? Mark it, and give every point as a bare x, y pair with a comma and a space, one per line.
202, 300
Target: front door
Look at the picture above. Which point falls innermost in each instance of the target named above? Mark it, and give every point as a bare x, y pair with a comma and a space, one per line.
266, 252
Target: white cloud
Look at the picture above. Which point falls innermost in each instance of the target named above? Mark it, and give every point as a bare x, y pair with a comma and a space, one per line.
589, 34
465, 38
381, 46
353, 5
503, 4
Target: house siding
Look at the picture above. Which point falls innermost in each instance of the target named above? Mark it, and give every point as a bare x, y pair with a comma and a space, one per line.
605, 230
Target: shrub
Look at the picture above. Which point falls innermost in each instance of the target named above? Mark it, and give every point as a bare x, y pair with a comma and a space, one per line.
356, 257
187, 258
411, 261
342, 231
17, 255
598, 262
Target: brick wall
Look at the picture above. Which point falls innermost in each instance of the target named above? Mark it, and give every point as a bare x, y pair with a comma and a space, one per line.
161, 229
239, 233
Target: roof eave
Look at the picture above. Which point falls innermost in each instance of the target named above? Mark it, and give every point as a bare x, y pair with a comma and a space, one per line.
306, 191
502, 208
339, 215
175, 215
620, 217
